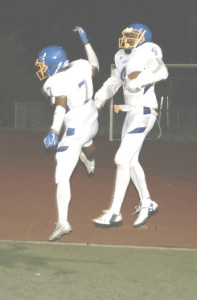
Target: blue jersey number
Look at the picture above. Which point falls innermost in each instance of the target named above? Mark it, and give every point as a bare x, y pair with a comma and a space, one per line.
123, 74
81, 83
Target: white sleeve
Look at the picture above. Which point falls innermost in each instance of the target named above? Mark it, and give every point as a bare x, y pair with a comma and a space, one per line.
155, 70
91, 55
109, 88
152, 68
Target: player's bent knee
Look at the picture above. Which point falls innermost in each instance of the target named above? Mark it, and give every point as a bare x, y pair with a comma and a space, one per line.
122, 158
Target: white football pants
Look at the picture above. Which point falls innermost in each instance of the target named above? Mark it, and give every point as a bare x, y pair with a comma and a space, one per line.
135, 128
67, 156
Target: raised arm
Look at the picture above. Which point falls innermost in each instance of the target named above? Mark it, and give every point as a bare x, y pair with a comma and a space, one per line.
91, 55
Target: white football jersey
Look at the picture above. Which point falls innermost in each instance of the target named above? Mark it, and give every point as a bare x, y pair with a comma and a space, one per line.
75, 83
133, 62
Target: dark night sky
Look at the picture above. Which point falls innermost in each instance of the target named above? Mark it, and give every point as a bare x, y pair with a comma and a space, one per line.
42, 23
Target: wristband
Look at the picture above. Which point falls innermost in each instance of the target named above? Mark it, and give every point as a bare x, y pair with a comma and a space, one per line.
58, 118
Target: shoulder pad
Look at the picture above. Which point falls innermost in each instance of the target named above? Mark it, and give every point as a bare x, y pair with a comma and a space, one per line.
155, 49
119, 57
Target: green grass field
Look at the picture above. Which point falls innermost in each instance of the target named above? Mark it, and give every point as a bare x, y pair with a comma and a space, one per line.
62, 271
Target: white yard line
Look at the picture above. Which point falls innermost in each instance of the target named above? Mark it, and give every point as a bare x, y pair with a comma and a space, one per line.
97, 245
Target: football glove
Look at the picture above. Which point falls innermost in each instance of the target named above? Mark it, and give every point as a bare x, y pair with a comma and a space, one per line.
51, 140
82, 34
117, 109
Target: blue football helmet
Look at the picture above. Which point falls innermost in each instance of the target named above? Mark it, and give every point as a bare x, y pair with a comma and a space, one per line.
135, 35
50, 61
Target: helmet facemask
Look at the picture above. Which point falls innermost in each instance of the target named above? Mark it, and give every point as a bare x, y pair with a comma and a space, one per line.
41, 73
131, 38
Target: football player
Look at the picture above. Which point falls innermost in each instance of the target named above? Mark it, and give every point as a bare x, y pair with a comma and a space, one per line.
138, 66
69, 84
